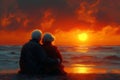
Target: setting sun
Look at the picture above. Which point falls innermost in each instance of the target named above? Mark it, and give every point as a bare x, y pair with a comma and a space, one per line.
83, 37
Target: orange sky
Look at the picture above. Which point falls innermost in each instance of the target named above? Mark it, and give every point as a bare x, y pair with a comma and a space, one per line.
66, 19
107, 36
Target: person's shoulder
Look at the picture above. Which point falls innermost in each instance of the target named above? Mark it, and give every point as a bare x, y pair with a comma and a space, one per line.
26, 44
32, 44
55, 47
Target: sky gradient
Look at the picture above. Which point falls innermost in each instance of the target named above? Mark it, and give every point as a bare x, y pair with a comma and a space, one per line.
66, 19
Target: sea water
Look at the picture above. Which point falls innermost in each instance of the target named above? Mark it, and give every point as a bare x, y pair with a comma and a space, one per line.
76, 59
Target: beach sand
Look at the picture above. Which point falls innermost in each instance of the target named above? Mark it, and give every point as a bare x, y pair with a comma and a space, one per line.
14, 76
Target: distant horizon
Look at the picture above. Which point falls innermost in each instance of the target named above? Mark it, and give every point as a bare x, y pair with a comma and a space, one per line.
57, 45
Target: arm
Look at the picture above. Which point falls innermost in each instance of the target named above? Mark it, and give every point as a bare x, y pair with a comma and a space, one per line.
58, 54
41, 56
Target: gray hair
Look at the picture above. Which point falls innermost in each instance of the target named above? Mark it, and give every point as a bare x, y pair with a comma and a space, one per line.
36, 34
48, 37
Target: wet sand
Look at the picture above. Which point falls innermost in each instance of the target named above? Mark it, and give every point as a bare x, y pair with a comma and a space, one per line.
14, 76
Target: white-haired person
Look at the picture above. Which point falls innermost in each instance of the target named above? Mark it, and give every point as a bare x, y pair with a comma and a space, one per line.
33, 58
52, 52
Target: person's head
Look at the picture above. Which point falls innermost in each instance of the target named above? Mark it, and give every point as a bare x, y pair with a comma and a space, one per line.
36, 35
48, 37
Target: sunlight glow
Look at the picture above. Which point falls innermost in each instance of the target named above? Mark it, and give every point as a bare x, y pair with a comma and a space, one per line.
84, 70
83, 36
81, 70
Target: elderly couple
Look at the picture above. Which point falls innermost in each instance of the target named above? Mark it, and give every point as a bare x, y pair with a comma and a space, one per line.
37, 59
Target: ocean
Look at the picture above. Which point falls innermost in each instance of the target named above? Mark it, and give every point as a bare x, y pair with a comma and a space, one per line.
76, 59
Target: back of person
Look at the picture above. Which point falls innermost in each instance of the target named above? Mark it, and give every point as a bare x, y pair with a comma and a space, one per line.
33, 58
28, 63
53, 53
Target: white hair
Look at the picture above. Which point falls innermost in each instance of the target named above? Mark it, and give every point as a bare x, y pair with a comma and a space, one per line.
36, 34
48, 37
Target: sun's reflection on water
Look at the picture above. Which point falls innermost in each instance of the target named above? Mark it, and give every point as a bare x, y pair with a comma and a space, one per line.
84, 69
82, 49
81, 70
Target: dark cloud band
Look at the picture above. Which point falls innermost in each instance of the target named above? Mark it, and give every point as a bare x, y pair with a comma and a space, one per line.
58, 14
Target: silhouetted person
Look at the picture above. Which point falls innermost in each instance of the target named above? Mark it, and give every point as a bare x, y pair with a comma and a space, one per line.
53, 52
33, 58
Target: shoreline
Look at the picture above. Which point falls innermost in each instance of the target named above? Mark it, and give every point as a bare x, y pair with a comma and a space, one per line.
71, 76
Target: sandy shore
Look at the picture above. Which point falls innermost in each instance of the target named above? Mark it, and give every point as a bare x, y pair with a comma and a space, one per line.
69, 77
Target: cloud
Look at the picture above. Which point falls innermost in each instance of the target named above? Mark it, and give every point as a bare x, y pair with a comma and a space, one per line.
105, 36
60, 12
86, 11
108, 12
52, 15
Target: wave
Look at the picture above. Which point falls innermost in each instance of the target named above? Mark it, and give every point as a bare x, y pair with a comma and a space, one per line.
113, 57
71, 55
10, 47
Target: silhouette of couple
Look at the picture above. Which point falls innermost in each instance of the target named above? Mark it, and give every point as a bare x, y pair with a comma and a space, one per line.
37, 59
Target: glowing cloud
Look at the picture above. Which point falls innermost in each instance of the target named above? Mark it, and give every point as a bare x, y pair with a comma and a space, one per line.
63, 18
